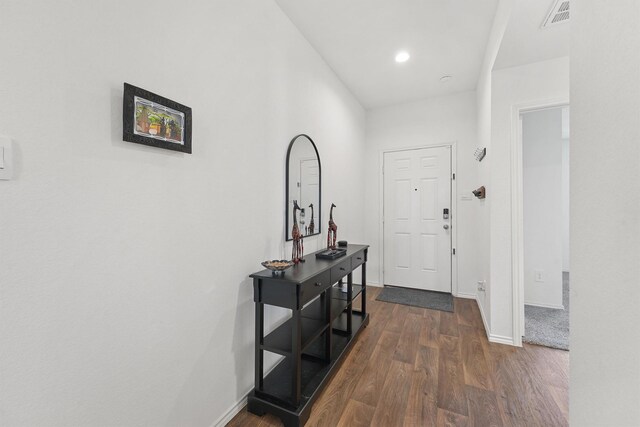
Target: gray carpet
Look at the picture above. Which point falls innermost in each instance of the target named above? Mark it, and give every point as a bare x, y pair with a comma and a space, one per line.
547, 326
417, 297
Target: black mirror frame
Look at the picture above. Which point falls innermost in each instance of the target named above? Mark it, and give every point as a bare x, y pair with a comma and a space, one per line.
286, 200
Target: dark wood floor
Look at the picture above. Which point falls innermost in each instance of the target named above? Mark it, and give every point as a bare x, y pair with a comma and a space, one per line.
418, 367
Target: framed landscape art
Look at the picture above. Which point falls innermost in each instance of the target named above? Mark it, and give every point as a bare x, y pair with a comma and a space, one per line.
153, 120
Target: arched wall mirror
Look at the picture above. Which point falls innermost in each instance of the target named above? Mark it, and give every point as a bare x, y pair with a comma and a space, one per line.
304, 185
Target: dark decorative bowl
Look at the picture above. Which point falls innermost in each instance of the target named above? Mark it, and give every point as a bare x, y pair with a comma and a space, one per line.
277, 266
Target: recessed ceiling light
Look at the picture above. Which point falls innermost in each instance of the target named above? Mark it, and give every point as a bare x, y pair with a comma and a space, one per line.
402, 56
445, 79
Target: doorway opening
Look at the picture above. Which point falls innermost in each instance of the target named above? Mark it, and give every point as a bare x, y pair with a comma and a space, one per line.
544, 141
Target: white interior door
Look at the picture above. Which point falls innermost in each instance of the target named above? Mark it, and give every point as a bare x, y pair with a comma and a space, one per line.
309, 190
309, 181
417, 236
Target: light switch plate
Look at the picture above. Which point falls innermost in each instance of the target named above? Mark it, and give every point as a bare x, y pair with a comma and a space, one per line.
6, 164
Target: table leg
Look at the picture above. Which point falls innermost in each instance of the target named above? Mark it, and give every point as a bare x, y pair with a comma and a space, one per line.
350, 300
296, 356
327, 295
364, 285
259, 354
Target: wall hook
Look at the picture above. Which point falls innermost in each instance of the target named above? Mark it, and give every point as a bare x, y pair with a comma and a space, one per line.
480, 153
480, 193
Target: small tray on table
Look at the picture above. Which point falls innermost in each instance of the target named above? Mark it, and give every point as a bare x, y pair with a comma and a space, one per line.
331, 253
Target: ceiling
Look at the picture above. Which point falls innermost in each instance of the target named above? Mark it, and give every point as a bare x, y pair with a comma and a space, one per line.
360, 38
525, 41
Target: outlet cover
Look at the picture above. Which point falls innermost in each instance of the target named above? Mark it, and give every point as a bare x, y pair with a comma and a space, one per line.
538, 276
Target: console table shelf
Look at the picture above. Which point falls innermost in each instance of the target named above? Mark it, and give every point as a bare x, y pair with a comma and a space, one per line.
340, 324
337, 293
315, 310
279, 341
322, 328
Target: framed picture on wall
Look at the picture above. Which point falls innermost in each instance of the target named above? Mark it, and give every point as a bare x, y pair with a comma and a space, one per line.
153, 120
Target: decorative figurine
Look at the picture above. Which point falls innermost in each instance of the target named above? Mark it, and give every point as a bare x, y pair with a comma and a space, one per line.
332, 233
298, 247
312, 225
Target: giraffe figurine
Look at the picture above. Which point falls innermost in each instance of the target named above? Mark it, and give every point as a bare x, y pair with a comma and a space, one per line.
312, 224
298, 247
332, 233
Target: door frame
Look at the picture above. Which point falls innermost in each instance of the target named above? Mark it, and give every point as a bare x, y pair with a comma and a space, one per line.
453, 213
517, 208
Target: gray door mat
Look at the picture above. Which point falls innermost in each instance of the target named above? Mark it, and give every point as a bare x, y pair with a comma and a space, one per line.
417, 298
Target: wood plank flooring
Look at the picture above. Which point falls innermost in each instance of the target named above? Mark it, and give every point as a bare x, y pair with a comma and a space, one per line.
418, 367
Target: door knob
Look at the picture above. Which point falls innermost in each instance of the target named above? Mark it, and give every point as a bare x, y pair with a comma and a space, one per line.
446, 226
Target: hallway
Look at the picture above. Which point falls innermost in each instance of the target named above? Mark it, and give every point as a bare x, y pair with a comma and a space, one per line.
418, 367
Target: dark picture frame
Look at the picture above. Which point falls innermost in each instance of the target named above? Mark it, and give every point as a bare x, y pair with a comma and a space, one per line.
151, 119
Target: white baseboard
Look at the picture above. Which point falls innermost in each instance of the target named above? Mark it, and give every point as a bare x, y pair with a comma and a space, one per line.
484, 319
235, 409
466, 296
374, 284
232, 412
500, 339
556, 307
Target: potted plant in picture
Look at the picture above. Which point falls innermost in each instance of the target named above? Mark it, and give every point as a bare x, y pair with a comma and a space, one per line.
142, 119
154, 128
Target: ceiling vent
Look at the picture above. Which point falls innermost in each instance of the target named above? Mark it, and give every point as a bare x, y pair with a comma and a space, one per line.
558, 14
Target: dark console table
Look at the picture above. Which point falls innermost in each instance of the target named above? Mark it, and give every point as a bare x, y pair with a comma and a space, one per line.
322, 328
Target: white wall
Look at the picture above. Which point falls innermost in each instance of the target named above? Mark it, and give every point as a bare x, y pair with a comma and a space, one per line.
605, 213
124, 292
566, 204
546, 81
428, 122
543, 168
483, 105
